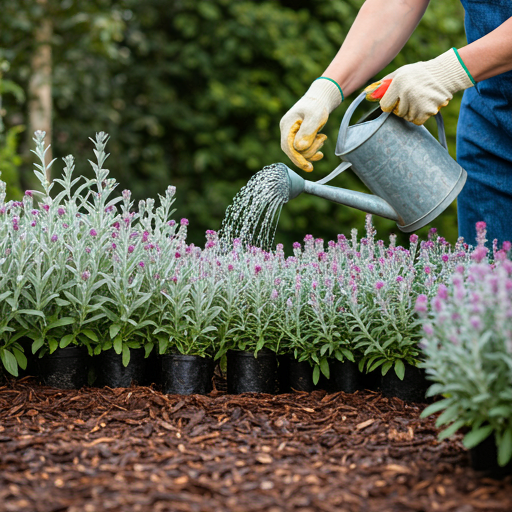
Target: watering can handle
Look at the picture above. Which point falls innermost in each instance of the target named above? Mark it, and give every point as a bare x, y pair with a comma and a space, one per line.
441, 134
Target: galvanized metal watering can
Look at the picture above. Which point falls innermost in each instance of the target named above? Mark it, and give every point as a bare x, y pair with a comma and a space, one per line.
411, 174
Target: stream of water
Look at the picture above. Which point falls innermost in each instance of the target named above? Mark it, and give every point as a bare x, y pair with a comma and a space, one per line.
254, 213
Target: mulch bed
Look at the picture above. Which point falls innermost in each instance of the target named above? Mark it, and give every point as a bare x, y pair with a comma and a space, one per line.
135, 449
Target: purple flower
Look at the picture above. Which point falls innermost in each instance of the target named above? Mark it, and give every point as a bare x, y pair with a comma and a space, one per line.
114, 246
230, 267
429, 330
171, 223
28, 193
126, 195
257, 269
61, 211
506, 245
88, 250
93, 232
427, 270
314, 284
109, 209
370, 267
475, 322
36, 212
399, 279
308, 238
296, 245
177, 255
379, 285
114, 235
54, 238
33, 223
184, 222
413, 238
65, 226
145, 236
46, 207
85, 275
442, 291
445, 257
274, 294
421, 303
131, 248
142, 264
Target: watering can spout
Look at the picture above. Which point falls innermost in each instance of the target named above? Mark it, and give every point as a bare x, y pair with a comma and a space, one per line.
365, 202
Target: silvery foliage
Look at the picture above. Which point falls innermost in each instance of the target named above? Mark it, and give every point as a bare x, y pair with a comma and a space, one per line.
468, 346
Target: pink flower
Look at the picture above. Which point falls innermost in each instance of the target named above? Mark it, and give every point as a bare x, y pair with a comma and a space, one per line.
93, 232
171, 223
28, 193
421, 303
308, 238
442, 291
445, 257
177, 255
145, 236
257, 269
413, 238
506, 245
427, 270
274, 294
61, 211
184, 222
230, 267
88, 250
142, 264
46, 207
85, 275
379, 285
54, 238
131, 248
296, 245
399, 279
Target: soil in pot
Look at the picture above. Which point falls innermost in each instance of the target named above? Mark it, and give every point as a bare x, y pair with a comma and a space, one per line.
294, 375
345, 376
111, 372
186, 375
411, 389
249, 374
484, 457
66, 368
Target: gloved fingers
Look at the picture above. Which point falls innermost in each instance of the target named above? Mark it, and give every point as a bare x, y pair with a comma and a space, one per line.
288, 133
395, 99
375, 91
312, 124
313, 149
317, 156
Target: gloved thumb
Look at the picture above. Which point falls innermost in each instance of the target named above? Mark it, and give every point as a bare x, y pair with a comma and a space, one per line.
313, 122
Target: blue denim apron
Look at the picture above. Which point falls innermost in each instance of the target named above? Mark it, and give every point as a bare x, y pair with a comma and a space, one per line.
484, 137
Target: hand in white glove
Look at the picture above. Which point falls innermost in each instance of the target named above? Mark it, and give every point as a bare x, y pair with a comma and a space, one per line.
300, 139
418, 91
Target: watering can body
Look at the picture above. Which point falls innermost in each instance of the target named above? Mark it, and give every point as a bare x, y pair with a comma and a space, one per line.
412, 176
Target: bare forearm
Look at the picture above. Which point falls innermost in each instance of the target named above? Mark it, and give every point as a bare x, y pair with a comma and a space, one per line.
491, 55
379, 32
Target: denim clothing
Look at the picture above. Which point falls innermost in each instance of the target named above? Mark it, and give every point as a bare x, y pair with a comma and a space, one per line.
484, 137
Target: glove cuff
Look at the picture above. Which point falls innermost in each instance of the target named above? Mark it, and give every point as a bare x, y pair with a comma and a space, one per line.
325, 91
449, 69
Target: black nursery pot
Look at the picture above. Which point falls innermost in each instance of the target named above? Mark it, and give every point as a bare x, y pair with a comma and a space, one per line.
249, 374
111, 372
294, 375
411, 389
66, 368
345, 376
371, 380
186, 375
484, 457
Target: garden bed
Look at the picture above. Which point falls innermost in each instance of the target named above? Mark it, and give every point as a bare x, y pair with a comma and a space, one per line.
137, 449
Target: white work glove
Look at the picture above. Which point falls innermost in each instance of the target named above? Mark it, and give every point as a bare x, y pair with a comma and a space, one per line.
418, 91
300, 139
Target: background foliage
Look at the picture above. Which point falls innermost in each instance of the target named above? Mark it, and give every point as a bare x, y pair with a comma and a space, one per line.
192, 92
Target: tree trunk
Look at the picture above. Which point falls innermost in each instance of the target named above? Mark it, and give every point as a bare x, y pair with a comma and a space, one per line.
40, 85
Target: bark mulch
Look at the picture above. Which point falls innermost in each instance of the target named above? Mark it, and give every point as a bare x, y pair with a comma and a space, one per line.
135, 449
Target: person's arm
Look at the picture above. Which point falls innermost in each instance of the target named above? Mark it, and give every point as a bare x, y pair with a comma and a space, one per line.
490, 55
379, 32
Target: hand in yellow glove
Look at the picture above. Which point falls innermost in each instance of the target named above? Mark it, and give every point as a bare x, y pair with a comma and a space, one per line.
418, 91
300, 139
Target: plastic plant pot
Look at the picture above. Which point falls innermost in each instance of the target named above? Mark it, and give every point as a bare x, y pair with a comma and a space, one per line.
371, 380
294, 375
111, 372
345, 376
186, 375
411, 389
247, 373
66, 368
484, 457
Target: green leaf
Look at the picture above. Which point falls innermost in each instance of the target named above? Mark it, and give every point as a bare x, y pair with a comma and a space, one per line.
52, 345
148, 347
32, 312
348, 354
90, 334
38, 343
66, 340
67, 320
399, 369
324, 367
386, 367
118, 344
162, 344
316, 374
20, 357
126, 355
500, 411
505, 448
475, 437
436, 407
97, 350
114, 330
447, 432
9, 361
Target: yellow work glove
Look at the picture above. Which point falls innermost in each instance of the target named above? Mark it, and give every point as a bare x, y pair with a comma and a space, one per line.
418, 91
300, 139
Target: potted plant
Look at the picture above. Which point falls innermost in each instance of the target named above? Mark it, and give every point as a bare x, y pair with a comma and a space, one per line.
467, 342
